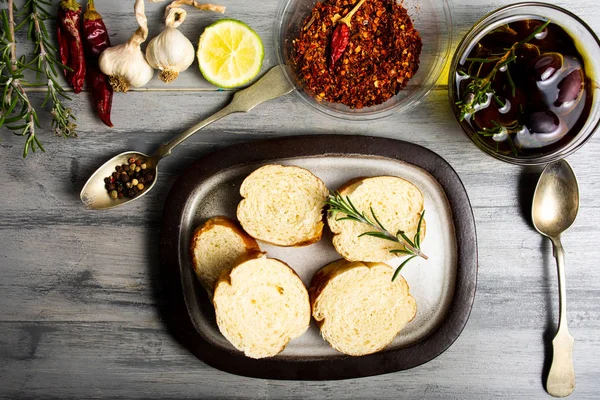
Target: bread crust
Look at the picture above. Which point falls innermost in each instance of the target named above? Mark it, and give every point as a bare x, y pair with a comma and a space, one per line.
305, 241
249, 242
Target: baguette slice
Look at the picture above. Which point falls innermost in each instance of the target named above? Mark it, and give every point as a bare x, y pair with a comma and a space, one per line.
215, 247
283, 205
358, 307
260, 305
398, 205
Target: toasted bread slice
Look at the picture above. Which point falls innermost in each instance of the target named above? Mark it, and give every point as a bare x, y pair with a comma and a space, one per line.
282, 205
398, 205
260, 305
215, 247
358, 307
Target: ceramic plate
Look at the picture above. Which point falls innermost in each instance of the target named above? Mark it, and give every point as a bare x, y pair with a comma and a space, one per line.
443, 286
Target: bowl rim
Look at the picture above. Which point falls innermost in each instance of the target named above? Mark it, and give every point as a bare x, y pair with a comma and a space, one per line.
478, 26
431, 79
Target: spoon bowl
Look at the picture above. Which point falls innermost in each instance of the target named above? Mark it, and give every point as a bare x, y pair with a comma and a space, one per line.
555, 206
556, 200
94, 194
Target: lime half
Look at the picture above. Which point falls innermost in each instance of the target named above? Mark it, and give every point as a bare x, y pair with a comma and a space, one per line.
230, 53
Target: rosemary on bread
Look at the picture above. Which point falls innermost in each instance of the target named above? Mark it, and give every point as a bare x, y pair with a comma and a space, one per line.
339, 204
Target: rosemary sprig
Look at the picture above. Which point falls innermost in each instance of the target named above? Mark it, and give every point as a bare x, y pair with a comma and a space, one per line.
17, 112
340, 204
479, 89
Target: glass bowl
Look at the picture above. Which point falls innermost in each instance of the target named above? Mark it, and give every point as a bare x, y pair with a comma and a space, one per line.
587, 45
432, 18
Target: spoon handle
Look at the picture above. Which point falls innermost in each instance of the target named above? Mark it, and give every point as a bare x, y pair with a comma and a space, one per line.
272, 85
561, 378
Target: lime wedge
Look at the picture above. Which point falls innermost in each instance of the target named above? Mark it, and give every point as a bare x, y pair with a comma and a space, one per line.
230, 53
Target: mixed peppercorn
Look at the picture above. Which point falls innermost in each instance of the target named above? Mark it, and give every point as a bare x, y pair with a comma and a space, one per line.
128, 180
363, 65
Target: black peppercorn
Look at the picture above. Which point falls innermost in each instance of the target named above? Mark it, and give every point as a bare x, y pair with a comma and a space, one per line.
111, 186
124, 177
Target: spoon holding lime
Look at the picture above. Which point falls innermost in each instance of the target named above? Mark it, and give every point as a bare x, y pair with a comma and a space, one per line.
272, 85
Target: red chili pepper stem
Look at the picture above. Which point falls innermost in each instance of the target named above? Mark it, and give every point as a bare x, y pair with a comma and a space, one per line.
71, 5
90, 13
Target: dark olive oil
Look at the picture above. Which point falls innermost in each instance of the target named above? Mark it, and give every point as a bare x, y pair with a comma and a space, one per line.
539, 100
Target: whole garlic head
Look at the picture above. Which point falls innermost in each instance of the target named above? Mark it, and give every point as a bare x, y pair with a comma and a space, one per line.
125, 64
171, 52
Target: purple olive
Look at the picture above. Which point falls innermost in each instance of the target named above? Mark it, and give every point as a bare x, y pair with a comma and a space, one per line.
543, 122
546, 65
569, 87
486, 117
527, 52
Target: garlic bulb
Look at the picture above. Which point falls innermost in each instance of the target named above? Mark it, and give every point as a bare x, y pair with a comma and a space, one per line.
171, 52
125, 64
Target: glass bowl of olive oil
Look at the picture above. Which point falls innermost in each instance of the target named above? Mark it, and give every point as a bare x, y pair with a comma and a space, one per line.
523, 83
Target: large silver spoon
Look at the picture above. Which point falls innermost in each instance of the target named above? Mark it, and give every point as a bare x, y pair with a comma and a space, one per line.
94, 195
555, 206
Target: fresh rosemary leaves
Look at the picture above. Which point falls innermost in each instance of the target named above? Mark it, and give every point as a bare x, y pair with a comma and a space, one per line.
17, 112
479, 89
412, 248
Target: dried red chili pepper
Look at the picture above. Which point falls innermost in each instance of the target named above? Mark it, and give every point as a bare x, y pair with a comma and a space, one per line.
69, 42
339, 42
95, 40
341, 36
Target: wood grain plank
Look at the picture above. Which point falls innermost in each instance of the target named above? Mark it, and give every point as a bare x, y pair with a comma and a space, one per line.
81, 302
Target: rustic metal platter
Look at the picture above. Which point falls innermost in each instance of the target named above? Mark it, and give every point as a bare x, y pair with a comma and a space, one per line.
444, 286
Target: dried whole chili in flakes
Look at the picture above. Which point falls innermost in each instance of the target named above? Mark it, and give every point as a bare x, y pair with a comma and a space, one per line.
381, 56
339, 41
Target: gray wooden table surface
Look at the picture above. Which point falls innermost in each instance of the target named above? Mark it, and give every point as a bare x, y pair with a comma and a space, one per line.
80, 295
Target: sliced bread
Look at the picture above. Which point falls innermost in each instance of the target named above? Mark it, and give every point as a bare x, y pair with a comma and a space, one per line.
282, 205
260, 305
215, 247
357, 306
398, 205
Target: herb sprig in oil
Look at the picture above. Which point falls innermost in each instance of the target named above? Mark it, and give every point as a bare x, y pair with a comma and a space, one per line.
479, 88
412, 248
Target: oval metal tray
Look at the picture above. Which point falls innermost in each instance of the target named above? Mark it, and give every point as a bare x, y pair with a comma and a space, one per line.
444, 286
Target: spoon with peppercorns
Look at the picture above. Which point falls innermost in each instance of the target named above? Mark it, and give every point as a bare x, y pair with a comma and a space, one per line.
130, 175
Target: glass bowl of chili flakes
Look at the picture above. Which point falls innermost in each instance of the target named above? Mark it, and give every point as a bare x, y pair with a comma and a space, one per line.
382, 59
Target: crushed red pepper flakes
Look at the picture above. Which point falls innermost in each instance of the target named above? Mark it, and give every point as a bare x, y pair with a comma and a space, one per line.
381, 57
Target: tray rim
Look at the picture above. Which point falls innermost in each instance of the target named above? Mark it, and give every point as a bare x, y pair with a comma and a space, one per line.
320, 368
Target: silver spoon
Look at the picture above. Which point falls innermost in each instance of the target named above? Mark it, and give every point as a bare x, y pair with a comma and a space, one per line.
94, 195
555, 206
